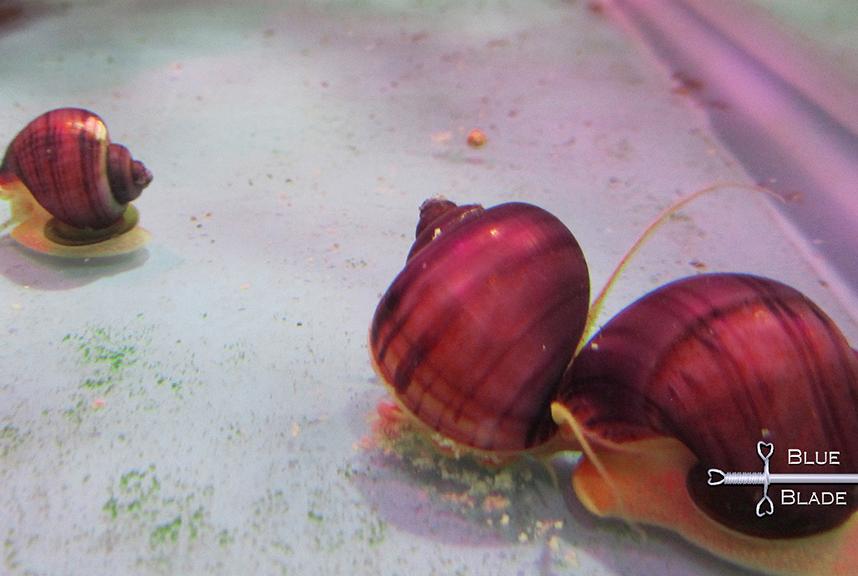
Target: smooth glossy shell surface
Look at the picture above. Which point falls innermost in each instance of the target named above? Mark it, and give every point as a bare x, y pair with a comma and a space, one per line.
65, 158
474, 334
720, 362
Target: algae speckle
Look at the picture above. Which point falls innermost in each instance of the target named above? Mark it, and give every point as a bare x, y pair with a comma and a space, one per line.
107, 352
225, 538
111, 507
113, 365
136, 490
10, 551
236, 354
139, 503
167, 532
104, 357
11, 438
373, 531
342, 527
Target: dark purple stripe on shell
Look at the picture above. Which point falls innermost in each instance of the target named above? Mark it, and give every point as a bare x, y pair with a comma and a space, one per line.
524, 397
408, 292
426, 271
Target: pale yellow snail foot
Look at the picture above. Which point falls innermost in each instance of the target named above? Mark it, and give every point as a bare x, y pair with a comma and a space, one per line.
40, 232
643, 482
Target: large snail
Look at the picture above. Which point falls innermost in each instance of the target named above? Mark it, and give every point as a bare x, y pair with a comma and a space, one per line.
71, 187
692, 377
474, 334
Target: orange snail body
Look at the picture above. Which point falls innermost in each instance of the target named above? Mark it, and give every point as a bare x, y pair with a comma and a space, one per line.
66, 161
690, 377
474, 334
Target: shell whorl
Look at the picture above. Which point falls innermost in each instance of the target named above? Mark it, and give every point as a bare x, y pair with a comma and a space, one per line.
127, 177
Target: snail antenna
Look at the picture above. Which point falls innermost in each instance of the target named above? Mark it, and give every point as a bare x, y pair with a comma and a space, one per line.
660, 220
564, 418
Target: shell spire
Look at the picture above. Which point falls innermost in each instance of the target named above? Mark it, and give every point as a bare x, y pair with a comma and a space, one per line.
127, 177
439, 216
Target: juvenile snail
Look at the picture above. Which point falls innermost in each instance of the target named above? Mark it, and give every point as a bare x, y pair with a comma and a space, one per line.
691, 377
71, 187
475, 332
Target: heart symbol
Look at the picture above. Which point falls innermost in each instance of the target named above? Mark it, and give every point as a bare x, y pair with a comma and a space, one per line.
716, 477
765, 449
765, 507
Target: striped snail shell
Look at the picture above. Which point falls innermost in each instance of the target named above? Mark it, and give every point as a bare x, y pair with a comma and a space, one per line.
474, 333
716, 363
66, 160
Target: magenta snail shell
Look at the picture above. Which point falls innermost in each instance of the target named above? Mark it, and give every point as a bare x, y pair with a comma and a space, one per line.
65, 158
720, 362
475, 332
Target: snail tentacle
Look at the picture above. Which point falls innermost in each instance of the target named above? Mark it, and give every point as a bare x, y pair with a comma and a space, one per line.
652, 228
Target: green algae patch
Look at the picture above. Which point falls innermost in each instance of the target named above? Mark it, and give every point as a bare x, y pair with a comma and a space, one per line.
372, 530
332, 530
124, 367
225, 538
103, 360
167, 532
105, 354
11, 438
135, 496
139, 505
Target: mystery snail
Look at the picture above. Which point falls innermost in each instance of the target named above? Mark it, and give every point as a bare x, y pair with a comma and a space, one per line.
475, 332
71, 187
690, 377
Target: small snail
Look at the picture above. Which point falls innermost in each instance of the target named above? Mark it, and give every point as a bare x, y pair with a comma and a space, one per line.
71, 187
475, 332
691, 377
